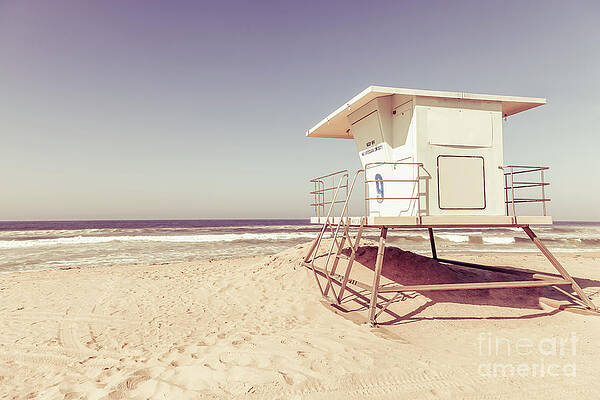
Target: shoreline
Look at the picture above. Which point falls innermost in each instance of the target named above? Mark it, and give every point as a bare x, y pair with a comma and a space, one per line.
588, 253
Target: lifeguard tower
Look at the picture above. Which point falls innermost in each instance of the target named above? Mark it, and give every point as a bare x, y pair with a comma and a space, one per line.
430, 160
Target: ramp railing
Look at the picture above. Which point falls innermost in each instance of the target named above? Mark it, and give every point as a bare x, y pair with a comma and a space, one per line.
518, 177
327, 191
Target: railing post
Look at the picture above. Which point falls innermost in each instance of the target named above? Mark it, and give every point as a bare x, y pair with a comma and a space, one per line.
512, 186
318, 202
366, 191
347, 196
322, 210
333, 185
543, 193
419, 192
315, 200
505, 191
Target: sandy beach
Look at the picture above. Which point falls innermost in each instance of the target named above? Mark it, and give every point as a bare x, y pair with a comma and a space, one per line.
258, 328
290, 200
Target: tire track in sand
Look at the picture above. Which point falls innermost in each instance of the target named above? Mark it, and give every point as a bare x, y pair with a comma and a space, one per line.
425, 384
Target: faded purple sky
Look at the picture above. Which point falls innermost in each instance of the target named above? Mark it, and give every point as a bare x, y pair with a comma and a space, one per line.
148, 109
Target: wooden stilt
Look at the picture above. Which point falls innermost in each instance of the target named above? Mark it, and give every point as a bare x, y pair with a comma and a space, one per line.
432, 241
352, 258
561, 270
377, 277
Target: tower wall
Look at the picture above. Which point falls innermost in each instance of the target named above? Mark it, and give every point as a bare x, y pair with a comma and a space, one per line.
459, 143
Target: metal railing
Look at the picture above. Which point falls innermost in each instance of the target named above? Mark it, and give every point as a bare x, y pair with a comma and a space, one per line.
416, 181
339, 181
522, 182
516, 178
341, 191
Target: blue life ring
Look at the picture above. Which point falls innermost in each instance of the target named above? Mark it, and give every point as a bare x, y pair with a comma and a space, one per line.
379, 187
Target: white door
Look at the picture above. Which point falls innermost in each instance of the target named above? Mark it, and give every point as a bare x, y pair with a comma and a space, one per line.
461, 182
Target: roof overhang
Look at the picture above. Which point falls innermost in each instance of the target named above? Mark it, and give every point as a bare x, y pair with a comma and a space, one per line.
336, 125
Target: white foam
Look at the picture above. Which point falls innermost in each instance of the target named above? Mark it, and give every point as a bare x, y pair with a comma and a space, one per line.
498, 239
226, 237
454, 238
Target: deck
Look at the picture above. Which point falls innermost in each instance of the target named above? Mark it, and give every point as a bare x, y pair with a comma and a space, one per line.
440, 221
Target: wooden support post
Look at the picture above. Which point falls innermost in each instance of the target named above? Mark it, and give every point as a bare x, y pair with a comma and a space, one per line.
432, 241
377, 277
586, 300
474, 285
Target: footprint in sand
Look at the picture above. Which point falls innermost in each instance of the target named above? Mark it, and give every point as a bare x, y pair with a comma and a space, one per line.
288, 379
129, 384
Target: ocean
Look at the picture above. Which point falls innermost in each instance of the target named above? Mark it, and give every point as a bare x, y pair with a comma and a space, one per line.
26, 246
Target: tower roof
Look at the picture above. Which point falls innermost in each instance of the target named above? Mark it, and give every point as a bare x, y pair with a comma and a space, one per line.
336, 125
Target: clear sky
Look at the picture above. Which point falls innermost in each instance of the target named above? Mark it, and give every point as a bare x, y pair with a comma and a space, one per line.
190, 109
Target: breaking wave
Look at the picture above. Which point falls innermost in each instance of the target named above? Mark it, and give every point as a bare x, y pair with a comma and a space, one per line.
225, 237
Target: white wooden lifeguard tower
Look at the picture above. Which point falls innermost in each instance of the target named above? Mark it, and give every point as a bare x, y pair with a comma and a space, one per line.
430, 160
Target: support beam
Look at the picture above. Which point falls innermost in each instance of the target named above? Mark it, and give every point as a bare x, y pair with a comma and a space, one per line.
387, 303
338, 279
377, 276
432, 241
474, 285
506, 270
560, 268
334, 277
